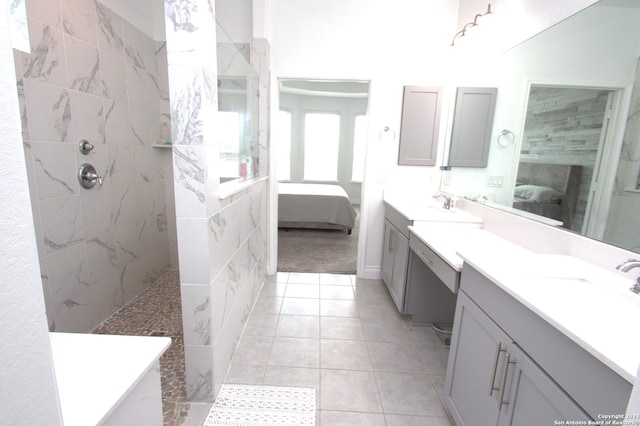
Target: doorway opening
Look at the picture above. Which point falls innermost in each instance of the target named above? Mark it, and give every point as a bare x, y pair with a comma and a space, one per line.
320, 138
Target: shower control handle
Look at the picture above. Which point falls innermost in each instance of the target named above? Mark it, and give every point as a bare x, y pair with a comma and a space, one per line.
86, 147
88, 177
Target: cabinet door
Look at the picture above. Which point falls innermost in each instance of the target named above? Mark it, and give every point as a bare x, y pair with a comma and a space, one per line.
472, 126
399, 278
420, 126
533, 398
387, 253
476, 363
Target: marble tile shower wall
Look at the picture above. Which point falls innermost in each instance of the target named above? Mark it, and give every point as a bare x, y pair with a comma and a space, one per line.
217, 298
92, 75
222, 242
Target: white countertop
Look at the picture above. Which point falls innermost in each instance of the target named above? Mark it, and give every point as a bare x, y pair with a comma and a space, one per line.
590, 305
95, 372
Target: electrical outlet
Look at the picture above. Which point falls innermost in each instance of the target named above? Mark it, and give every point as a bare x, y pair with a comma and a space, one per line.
495, 181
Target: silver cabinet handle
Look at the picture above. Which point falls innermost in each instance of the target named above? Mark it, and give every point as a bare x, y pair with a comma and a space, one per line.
495, 368
503, 385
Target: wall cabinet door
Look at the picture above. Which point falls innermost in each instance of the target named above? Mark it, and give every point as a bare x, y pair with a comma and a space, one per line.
476, 363
472, 126
420, 126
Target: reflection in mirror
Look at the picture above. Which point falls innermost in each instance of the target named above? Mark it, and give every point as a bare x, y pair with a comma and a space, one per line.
236, 128
594, 51
562, 139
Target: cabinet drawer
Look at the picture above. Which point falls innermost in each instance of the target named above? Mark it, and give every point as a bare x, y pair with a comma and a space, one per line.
448, 275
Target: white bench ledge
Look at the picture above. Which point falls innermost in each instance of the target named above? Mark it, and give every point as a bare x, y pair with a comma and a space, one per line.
96, 372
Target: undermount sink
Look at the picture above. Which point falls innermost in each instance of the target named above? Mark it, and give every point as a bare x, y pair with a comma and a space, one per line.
563, 283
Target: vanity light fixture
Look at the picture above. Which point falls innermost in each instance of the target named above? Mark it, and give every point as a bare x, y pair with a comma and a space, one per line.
470, 25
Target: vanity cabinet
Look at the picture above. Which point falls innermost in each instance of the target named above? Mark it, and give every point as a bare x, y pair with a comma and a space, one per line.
508, 366
493, 382
472, 126
395, 258
420, 127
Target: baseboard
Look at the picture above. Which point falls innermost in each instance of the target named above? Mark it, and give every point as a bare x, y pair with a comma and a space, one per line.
371, 273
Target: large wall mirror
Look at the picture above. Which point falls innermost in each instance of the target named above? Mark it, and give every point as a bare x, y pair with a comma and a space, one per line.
571, 98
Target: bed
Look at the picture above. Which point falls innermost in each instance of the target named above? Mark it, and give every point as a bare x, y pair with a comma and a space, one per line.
549, 190
316, 206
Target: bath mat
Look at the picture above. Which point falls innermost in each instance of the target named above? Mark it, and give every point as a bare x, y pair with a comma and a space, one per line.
252, 405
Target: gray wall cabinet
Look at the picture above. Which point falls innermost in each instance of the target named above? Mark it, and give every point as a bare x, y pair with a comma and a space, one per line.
420, 126
507, 366
472, 126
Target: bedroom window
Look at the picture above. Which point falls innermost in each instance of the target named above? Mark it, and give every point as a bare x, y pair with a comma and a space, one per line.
359, 144
283, 137
321, 143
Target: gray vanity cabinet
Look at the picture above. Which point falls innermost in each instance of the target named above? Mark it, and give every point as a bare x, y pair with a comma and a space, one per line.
420, 127
394, 262
473, 354
535, 399
472, 126
508, 366
491, 381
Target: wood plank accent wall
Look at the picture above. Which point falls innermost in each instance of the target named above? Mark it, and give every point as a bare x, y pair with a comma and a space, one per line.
563, 126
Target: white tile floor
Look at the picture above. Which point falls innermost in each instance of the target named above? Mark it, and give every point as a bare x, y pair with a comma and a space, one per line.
344, 337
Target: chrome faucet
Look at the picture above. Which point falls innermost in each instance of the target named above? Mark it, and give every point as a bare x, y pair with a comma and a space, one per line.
626, 267
448, 202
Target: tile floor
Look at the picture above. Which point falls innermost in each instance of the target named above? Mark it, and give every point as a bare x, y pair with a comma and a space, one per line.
344, 337
338, 334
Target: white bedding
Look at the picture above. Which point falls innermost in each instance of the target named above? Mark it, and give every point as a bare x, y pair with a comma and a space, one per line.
314, 204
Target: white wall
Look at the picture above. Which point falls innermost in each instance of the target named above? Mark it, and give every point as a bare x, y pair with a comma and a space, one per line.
391, 45
28, 384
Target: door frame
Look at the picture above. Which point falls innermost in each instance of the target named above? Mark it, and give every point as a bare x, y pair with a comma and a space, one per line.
272, 186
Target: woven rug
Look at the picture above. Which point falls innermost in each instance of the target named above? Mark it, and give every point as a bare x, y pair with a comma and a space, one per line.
250, 405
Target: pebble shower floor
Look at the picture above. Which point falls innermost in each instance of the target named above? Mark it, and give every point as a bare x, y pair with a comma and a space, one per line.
157, 312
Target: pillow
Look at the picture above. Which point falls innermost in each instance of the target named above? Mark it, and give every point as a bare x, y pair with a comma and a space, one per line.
539, 194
